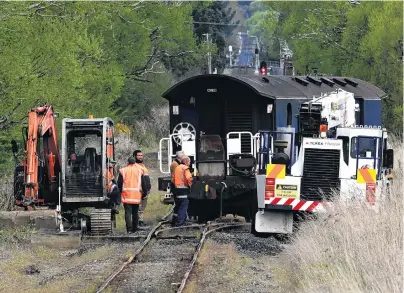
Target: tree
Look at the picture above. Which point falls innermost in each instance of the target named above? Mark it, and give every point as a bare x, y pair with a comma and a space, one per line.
216, 12
89, 58
263, 24
340, 38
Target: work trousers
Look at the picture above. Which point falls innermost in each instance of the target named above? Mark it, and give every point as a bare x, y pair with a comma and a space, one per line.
131, 217
142, 208
180, 210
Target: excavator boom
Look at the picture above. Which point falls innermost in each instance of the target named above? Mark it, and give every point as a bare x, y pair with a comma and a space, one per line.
42, 159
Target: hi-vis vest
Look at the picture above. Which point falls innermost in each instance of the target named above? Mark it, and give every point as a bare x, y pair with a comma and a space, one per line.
132, 184
173, 166
180, 180
143, 167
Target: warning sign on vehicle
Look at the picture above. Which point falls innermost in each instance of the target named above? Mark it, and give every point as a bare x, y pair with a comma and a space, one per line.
286, 190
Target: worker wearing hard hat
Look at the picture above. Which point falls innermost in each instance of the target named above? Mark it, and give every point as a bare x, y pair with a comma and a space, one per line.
182, 188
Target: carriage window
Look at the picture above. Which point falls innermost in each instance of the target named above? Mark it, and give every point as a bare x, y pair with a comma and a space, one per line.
367, 147
289, 115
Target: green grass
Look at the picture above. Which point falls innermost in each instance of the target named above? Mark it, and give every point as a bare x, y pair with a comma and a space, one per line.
17, 235
155, 210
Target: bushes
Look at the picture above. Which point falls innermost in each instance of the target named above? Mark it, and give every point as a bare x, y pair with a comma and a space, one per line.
355, 249
6, 194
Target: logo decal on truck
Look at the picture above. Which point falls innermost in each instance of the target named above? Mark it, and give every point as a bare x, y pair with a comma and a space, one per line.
330, 143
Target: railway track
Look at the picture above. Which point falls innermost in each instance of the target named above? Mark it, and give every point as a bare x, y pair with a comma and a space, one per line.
165, 259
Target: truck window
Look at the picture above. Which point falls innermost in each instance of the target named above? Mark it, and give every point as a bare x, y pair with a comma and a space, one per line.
367, 147
345, 147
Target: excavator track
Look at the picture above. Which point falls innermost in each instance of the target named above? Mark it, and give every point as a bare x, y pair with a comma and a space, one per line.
100, 220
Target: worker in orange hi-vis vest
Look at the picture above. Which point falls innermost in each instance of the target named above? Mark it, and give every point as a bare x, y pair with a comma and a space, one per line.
182, 188
130, 184
176, 162
138, 155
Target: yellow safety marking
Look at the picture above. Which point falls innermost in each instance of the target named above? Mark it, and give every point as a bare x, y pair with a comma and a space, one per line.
366, 176
276, 171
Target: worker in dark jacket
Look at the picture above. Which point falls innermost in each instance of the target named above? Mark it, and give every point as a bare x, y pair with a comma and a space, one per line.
138, 155
130, 184
113, 191
182, 188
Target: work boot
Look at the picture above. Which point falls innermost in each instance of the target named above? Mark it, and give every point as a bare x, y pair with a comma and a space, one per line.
143, 226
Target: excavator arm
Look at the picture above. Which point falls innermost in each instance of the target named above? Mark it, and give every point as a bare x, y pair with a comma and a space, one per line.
41, 156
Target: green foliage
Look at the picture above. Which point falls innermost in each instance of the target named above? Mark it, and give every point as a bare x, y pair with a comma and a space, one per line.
216, 12
340, 38
263, 24
104, 59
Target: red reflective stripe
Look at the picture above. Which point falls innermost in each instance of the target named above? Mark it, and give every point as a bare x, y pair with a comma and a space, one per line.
299, 205
289, 201
312, 206
275, 200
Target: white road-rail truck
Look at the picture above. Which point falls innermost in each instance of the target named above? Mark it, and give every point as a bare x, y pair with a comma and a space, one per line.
329, 158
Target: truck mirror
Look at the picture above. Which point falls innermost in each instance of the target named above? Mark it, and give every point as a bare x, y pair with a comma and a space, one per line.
14, 146
389, 161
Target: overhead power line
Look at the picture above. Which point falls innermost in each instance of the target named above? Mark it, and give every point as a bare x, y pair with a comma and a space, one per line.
214, 23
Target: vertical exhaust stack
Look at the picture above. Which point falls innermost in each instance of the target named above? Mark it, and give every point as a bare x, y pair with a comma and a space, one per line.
290, 149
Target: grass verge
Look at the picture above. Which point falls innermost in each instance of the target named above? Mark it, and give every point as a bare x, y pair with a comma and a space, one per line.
354, 249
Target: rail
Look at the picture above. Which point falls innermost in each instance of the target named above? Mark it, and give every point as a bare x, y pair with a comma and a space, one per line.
125, 264
209, 228
205, 233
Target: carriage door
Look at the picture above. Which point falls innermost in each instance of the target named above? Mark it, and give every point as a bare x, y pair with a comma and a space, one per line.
239, 119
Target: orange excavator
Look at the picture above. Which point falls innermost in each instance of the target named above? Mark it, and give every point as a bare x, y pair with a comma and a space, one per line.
76, 175
41, 165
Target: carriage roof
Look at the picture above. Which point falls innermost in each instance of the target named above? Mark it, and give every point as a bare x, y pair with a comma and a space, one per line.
285, 87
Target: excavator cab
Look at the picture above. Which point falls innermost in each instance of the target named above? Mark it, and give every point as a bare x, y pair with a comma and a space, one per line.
86, 146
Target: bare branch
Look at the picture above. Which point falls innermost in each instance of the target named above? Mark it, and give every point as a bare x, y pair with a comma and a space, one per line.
134, 22
166, 54
137, 5
139, 79
5, 121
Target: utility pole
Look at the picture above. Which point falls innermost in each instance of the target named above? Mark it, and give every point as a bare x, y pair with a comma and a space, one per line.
230, 53
257, 50
209, 56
